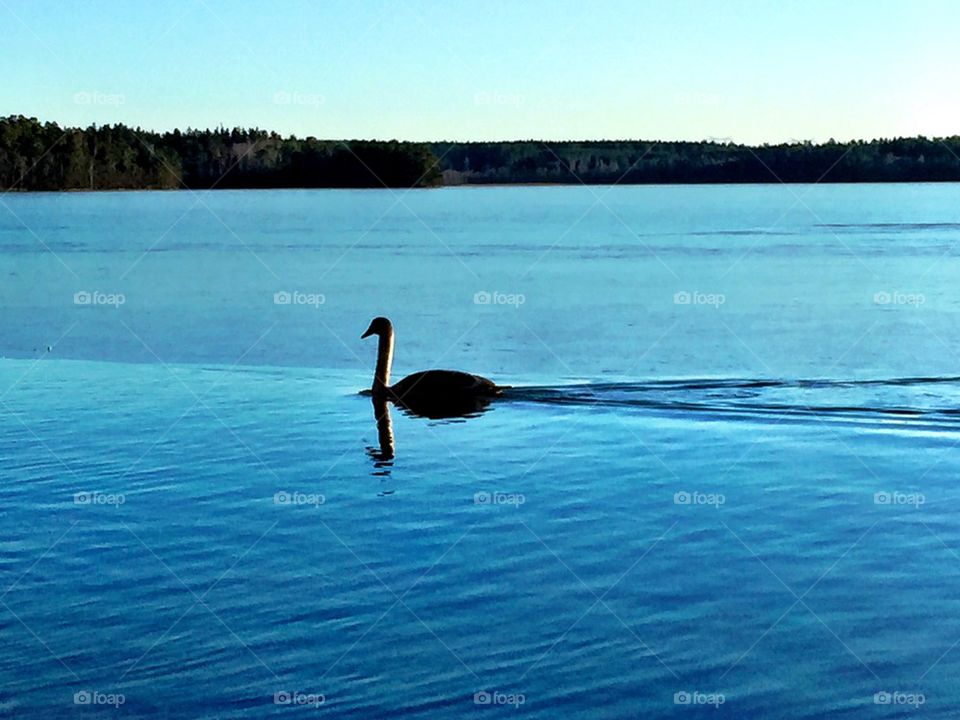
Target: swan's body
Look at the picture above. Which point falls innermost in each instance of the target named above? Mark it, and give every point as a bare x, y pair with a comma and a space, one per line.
433, 393
439, 382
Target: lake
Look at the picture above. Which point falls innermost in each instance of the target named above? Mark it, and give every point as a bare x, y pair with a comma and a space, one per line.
724, 481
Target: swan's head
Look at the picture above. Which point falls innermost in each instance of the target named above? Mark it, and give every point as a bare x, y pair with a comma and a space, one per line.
378, 326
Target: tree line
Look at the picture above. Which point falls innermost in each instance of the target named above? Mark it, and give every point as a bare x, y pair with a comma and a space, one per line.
630, 162
44, 156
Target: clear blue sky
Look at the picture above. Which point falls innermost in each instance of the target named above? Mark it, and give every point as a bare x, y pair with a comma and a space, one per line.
550, 69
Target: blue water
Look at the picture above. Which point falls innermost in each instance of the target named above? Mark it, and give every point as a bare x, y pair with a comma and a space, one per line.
745, 501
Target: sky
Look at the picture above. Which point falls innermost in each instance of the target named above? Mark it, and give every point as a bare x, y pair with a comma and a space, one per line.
745, 71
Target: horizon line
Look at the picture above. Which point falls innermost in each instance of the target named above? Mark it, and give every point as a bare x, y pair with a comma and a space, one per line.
716, 140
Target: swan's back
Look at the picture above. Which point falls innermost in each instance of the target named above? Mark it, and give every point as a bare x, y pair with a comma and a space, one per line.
438, 384
444, 394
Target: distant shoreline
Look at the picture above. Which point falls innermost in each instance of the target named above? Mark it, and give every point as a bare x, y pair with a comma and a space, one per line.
470, 186
37, 156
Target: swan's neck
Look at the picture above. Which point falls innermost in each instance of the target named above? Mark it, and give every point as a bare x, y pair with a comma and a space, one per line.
381, 377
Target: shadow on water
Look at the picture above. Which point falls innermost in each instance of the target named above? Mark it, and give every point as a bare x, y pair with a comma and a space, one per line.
456, 410
382, 456
910, 403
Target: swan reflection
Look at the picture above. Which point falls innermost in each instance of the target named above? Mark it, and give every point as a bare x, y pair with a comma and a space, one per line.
382, 456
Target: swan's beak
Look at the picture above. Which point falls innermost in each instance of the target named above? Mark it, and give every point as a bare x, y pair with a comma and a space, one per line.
367, 334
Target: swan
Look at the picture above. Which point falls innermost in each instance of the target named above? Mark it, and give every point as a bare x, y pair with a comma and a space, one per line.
433, 393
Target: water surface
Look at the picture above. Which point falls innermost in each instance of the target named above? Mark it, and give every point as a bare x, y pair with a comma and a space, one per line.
726, 468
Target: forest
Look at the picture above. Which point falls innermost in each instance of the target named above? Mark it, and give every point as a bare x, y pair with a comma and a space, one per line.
633, 162
44, 156
38, 155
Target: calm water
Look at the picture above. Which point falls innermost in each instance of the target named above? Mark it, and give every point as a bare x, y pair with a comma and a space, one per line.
724, 484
